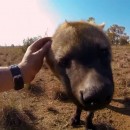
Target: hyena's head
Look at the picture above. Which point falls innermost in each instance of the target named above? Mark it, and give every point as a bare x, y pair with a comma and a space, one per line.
80, 56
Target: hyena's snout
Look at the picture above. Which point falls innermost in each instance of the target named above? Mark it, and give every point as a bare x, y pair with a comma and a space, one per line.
96, 97
97, 92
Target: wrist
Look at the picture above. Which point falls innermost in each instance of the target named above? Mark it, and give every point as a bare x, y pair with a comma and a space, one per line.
26, 73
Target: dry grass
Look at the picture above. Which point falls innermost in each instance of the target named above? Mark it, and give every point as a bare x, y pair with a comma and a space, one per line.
10, 55
43, 105
14, 119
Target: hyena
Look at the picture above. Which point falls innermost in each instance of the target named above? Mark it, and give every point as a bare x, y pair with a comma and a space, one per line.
80, 56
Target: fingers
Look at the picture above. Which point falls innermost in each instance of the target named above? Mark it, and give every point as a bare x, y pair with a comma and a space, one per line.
44, 49
39, 44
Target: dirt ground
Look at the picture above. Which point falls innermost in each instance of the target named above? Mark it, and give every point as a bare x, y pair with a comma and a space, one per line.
43, 105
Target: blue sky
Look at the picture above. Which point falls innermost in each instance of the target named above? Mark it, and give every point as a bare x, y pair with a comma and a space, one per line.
20, 19
108, 11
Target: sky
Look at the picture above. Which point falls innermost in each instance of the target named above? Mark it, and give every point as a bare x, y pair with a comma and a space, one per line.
20, 19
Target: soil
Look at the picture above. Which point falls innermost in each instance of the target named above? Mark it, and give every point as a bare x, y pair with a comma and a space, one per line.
43, 105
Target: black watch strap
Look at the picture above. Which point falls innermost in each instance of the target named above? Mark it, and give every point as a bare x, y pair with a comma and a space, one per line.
17, 77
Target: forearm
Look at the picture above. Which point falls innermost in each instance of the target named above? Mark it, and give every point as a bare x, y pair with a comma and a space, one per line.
6, 80
29, 66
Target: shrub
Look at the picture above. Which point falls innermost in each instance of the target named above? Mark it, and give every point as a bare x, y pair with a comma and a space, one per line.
28, 41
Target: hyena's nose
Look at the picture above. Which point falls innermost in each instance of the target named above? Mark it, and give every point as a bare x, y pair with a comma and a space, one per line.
95, 97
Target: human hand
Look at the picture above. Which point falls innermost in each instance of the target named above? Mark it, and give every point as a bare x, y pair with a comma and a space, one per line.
33, 58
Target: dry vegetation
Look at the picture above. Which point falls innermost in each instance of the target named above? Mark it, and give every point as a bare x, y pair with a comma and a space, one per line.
43, 105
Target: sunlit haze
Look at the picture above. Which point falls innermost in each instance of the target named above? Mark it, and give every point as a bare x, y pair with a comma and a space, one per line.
20, 19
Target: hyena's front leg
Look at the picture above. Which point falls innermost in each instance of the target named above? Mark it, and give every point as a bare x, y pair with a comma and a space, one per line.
89, 124
76, 119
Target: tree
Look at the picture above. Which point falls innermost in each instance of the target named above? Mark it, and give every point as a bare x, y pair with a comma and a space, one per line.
124, 40
91, 20
12, 45
28, 41
117, 35
129, 40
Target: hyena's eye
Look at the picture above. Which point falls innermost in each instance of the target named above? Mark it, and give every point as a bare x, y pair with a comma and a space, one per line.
64, 62
104, 55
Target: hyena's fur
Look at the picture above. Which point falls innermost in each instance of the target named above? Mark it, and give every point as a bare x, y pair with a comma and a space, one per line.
80, 56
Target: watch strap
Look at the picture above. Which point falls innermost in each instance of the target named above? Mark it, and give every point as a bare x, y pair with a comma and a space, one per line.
17, 77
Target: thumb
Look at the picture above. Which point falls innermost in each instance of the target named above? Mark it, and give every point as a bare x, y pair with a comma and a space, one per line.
44, 49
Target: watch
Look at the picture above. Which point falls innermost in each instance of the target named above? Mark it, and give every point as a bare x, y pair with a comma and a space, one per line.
17, 77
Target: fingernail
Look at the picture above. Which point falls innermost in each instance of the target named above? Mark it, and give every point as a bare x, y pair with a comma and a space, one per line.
49, 43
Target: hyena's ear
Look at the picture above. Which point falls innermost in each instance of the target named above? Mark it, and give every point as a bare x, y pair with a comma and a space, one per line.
101, 26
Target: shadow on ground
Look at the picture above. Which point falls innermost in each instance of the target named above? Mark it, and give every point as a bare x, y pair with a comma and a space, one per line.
101, 126
123, 110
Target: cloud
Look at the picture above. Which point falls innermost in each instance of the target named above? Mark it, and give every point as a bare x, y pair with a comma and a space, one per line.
20, 19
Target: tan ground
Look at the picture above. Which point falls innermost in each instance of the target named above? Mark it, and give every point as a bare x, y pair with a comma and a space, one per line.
44, 106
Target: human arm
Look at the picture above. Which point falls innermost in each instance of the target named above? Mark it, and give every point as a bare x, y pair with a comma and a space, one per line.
29, 66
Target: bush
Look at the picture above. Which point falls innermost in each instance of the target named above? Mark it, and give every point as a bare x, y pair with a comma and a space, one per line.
28, 41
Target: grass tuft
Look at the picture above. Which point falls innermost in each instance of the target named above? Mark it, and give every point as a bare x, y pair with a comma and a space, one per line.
13, 119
